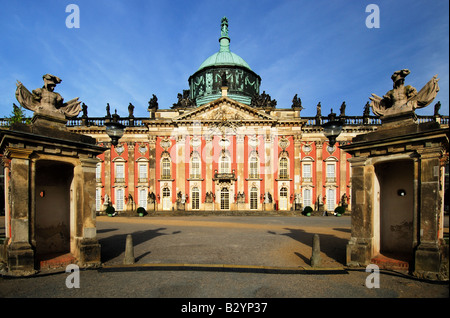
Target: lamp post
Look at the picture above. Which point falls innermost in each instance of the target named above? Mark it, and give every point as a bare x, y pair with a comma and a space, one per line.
332, 128
114, 129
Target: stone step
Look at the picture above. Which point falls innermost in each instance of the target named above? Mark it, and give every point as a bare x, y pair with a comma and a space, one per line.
387, 262
53, 261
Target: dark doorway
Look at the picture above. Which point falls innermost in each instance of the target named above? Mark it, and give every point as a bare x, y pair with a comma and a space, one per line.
53, 206
396, 208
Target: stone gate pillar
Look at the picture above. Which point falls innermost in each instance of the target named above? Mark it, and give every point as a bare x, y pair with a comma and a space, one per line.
19, 251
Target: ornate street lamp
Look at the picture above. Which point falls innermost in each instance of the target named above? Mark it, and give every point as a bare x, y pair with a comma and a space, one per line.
332, 128
114, 129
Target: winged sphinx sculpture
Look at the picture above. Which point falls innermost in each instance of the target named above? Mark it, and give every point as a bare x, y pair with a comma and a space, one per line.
403, 98
45, 99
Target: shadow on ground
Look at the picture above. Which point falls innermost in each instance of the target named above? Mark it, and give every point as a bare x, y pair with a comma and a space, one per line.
114, 245
332, 246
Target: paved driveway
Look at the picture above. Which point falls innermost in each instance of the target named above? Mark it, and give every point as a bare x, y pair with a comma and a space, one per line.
244, 241
261, 241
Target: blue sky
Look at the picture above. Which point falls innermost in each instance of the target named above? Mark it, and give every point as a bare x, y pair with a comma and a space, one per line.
125, 51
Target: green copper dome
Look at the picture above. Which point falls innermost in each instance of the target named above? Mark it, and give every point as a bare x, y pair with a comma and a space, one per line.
224, 66
224, 56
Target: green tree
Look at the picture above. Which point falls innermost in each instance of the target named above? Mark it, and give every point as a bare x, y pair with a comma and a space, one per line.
18, 116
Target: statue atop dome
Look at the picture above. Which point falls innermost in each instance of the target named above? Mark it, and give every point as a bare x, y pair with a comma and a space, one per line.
404, 99
224, 27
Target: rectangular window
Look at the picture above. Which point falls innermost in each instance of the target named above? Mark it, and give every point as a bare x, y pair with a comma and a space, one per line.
120, 173
195, 168
307, 170
143, 198
224, 164
98, 199
331, 199
254, 168
165, 171
283, 168
331, 172
195, 199
224, 199
307, 198
142, 172
98, 172
120, 196
253, 199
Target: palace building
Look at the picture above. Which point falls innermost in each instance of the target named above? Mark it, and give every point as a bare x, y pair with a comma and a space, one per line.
225, 146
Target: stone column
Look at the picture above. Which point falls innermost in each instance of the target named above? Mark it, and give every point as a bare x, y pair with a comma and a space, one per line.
297, 170
319, 174
342, 182
241, 161
131, 172
269, 165
180, 182
87, 246
108, 174
359, 248
19, 252
429, 253
152, 170
207, 159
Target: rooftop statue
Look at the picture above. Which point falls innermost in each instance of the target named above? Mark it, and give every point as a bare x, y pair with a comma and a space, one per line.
401, 98
224, 27
46, 100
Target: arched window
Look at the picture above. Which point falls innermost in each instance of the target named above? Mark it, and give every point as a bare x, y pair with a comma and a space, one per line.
195, 198
165, 168
254, 165
195, 166
224, 164
284, 168
254, 198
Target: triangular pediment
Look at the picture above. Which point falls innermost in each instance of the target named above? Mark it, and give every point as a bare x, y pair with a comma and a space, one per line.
222, 109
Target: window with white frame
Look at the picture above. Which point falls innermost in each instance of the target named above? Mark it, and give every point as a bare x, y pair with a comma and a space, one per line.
254, 198
331, 199
283, 200
98, 172
307, 172
142, 172
142, 197
195, 198
307, 195
224, 164
98, 199
224, 199
254, 167
195, 167
166, 169
166, 199
120, 197
331, 172
284, 168
119, 172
